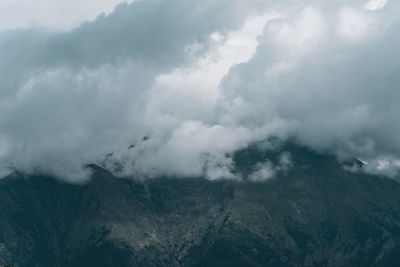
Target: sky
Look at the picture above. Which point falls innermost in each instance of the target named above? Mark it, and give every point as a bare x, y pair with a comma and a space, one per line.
174, 87
55, 15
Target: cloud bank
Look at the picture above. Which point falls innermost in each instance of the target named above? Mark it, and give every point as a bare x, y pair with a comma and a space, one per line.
174, 88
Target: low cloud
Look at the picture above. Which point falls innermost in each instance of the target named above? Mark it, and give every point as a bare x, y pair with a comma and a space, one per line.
174, 88
264, 171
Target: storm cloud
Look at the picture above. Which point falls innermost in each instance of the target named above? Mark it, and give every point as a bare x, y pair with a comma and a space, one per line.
174, 88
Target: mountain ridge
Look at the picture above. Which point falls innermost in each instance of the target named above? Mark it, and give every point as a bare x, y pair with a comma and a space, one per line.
315, 214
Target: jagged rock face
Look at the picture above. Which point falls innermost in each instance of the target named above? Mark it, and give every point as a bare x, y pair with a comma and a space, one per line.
316, 214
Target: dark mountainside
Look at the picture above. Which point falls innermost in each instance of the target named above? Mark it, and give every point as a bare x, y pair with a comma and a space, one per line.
316, 214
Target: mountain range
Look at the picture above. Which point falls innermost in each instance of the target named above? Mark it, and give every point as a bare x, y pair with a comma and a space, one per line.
314, 214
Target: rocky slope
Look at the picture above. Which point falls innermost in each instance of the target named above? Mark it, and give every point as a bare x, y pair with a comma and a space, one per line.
315, 214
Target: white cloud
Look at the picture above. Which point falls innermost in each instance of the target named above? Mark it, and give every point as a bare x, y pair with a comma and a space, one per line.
264, 171
199, 80
375, 4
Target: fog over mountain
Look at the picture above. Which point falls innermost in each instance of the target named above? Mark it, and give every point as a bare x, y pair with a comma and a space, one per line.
176, 87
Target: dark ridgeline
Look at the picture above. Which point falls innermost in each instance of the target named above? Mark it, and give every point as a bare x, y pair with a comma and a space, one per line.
316, 214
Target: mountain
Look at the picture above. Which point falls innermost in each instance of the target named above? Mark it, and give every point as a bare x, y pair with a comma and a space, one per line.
314, 214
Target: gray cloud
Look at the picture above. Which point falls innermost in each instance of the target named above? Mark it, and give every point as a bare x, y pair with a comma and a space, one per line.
58, 15
340, 91
200, 80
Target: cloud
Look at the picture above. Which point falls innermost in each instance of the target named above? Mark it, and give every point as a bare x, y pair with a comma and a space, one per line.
264, 171
375, 4
174, 88
57, 15
340, 94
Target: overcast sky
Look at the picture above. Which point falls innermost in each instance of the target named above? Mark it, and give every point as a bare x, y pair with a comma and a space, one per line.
186, 83
56, 15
